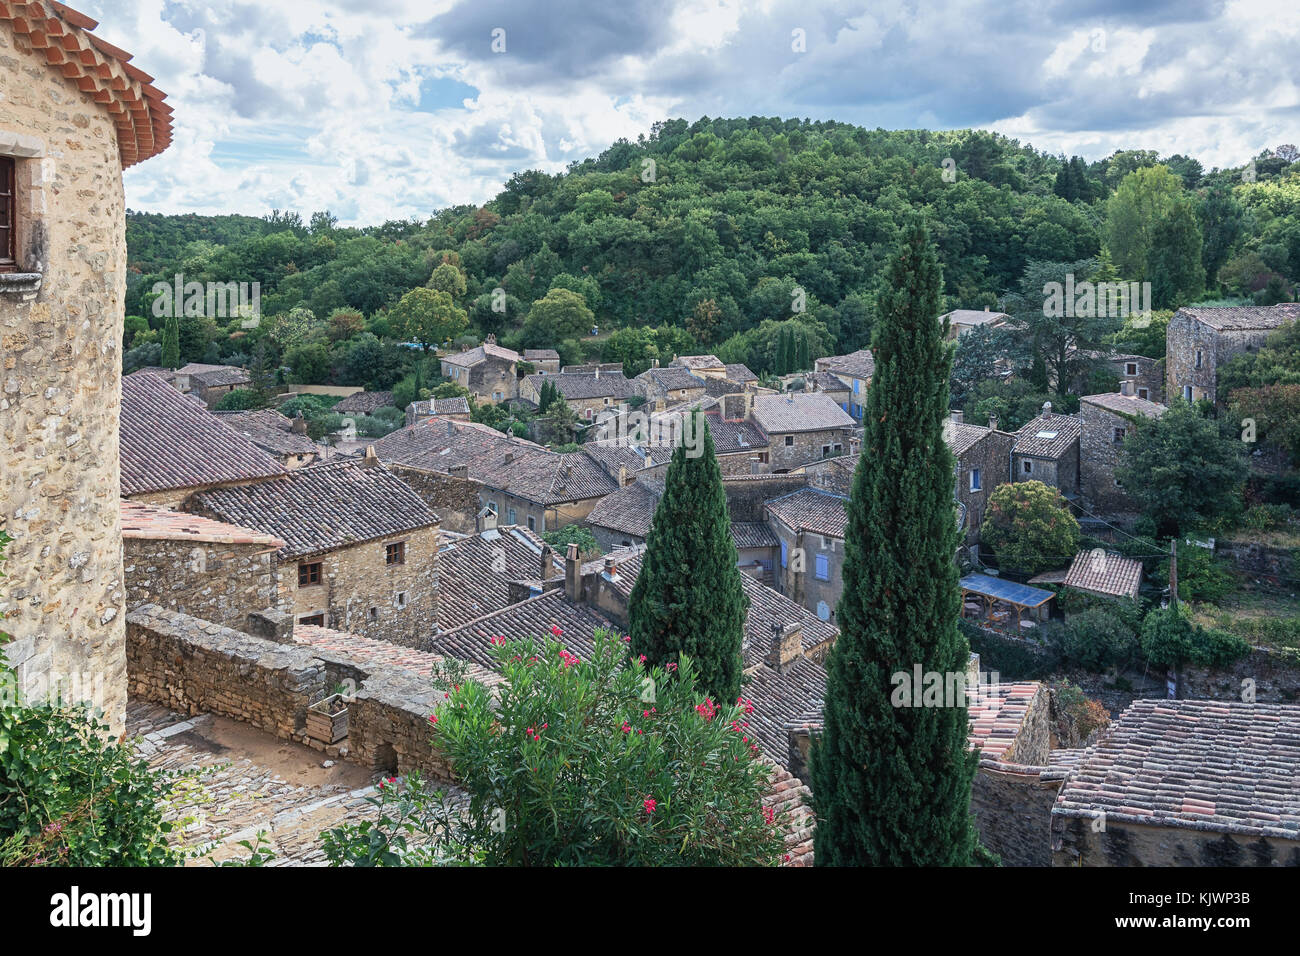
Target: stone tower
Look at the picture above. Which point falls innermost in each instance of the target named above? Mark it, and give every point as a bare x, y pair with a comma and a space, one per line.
73, 114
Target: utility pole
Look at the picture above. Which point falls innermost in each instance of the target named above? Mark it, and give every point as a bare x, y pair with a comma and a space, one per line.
1173, 572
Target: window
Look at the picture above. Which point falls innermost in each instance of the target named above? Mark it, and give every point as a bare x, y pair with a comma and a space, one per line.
372, 614
975, 479
1131, 368
1187, 393
317, 620
492, 507
395, 553
510, 516
785, 555
1117, 435
1198, 358
823, 611
1144, 393
8, 216
823, 568
789, 441
857, 387
308, 574
1028, 468
826, 451
532, 523
400, 600
607, 401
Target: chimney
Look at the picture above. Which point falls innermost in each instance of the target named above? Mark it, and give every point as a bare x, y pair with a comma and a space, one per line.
654, 363
491, 339
1126, 388
485, 520
1047, 409
598, 372
659, 405
572, 574
547, 563
993, 423
459, 471
451, 429
957, 415
986, 308
622, 475
371, 460
787, 645
299, 425
611, 567
510, 456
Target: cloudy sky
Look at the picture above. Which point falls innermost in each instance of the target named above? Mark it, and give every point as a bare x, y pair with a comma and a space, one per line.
379, 109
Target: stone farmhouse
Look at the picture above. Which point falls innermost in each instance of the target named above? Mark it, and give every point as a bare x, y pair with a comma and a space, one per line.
489, 371
1146, 375
983, 456
361, 548
1107, 419
456, 409
1047, 450
76, 113
278, 435
521, 482
961, 321
855, 370
705, 366
208, 383
545, 361
801, 427
587, 394
1199, 341
673, 385
172, 446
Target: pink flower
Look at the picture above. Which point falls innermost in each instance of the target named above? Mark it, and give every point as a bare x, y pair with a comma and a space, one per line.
706, 709
642, 658
650, 804
433, 718
627, 638
555, 629
769, 814
626, 728
672, 666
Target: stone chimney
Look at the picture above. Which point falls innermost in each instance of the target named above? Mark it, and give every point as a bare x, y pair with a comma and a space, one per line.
491, 339
598, 371
622, 475
654, 363
451, 428
611, 567
573, 574
787, 645
957, 415
1047, 409
459, 471
993, 423
485, 520
371, 460
299, 425
1126, 388
660, 405
510, 456
547, 563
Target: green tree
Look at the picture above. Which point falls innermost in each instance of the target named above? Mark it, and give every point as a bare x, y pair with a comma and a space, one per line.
447, 278
428, 317
577, 534
171, 344
559, 314
892, 784
688, 599
1181, 469
1029, 526
1150, 208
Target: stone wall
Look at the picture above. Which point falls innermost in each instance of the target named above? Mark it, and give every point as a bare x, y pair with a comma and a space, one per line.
992, 456
194, 666
491, 380
1098, 456
1080, 841
455, 501
1256, 558
220, 583
746, 496
800, 448
1012, 806
798, 579
60, 385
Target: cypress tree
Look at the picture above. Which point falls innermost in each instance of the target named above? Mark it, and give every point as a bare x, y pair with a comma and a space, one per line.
892, 783
802, 361
171, 343
688, 598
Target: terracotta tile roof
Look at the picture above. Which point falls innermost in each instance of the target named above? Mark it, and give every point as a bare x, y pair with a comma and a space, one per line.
997, 712
974, 317
734, 437
780, 698
364, 403
214, 376
1108, 574
577, 386
739, 372
630, 509
541, 355
269, 430
1125, 404
1245, 317
753, 534
153, 523
1048, 436
717, 387
171, 441
499, 461
1204, 764
474, 356
962, 436
475, 572
441, 406
824, 382
333, 504
699, 361
365, 650
860, 364
799, 412
533, 618
99, 70
791, 801
810, 509
672, 378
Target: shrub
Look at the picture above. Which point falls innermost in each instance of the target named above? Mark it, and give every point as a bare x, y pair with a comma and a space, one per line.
599, 762
1200, 577
1029, 527
240, 399
1076, 715
575, 534
1170, 639
1098, 639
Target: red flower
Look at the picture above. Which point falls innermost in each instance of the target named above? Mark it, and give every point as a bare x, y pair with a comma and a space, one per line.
433, 719
555, 629
650, 804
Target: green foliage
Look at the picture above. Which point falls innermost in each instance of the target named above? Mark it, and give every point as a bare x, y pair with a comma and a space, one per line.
591, 763
1099, 639
560, 314
1276, 362
171, 343
240, 399
1153, 235
1200, 576
428, 317
1182, 469
1029, 527
561, 538
1171, 640
309, 362
892, 784
688, 598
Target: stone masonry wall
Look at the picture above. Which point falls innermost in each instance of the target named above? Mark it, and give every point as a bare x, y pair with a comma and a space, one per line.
60, 385
454, 500
220, 583
1098, 456
1012, 806
805, 447
1075, 842
992, 456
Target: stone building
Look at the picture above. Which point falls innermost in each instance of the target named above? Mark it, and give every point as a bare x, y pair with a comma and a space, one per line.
361, 548
1047, 450
456, 409
801, 428
284, 438
545, 361
172, 446
487, 571
489, 371
1146, 374
1199, 341
855, 370
363, 403
1107, 420
673, 384
961, 321
587, 394
75, 113
208, 383
204, 568
1184, 783
809, 526
983, 456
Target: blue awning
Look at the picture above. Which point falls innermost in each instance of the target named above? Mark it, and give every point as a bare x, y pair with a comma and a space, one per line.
1001, 589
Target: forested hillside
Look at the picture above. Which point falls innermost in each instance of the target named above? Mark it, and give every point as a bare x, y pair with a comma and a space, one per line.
716, 235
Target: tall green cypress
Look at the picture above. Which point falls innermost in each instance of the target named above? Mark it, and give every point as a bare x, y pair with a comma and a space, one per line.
688, 598
892, 783
171, 343
802, 362
783, 351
